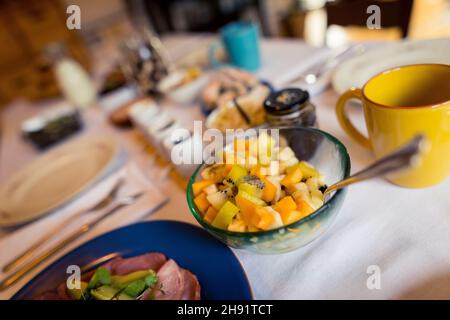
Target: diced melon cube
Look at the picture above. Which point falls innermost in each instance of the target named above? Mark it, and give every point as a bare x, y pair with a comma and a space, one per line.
285, 206
292, 216
210, 215
201, 202
237, 225
286, 154
295, 176
262, 219
217, 199
198, 186
211, 189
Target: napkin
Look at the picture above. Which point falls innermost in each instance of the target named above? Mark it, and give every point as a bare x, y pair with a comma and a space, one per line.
134, 180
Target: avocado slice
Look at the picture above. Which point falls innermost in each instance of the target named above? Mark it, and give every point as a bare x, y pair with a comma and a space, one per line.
123, 296
101, 276
134, 289
121, 282
104, 293
76, 294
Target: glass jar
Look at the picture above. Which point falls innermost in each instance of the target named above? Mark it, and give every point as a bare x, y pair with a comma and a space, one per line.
290, 107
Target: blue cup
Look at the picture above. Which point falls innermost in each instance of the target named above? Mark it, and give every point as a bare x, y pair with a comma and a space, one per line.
241, 42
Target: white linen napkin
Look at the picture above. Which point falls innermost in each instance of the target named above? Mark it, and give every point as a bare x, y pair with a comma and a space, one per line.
133, 180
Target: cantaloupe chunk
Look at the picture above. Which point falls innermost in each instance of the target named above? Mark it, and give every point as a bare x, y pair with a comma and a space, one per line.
256, 171
295, 176
237, 225
201, 202
304, 208
198, 186
285, 206
291, 216
210, 214
269, 191
262, 219
247, 205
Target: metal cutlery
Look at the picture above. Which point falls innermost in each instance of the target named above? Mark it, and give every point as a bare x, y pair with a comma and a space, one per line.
313, 74
52, 232
405, 157
73, 236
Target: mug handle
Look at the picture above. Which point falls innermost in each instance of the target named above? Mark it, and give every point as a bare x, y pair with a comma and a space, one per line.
344, 120
212, 55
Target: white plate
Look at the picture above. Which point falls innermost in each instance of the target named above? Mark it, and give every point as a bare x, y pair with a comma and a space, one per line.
356, 71
54, 178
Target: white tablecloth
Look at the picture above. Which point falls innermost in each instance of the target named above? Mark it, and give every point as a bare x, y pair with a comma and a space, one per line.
403, 233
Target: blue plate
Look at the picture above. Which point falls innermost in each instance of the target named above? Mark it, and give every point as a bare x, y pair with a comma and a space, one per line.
218, 270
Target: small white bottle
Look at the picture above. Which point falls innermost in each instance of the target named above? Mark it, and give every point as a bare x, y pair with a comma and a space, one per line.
73, 80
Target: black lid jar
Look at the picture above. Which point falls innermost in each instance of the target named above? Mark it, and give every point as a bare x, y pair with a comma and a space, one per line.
290, 106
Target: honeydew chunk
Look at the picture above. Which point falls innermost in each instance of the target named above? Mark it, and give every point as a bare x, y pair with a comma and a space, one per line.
301, 186
312, 183
286, 154
217, 199
316, 203
303, 195
284, 164
316, 199
317, 194
211, 189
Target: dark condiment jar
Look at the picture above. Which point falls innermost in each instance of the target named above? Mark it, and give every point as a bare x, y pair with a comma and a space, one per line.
290, 107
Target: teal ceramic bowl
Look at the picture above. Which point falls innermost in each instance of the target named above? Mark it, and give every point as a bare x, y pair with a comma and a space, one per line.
325, 153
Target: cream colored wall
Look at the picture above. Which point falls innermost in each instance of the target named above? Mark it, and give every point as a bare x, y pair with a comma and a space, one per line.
430, 18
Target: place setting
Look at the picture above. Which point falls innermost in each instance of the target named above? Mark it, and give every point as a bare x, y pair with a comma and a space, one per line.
173, 159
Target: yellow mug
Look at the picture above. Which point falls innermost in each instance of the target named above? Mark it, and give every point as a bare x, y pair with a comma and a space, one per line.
398, 104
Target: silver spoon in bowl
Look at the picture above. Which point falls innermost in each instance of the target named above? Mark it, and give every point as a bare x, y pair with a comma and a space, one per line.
406, 157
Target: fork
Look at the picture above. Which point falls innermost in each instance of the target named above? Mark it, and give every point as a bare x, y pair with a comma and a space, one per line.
52, 232
65, 241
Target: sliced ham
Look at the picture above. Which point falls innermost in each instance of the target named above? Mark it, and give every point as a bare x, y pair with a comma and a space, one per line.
191, 290
174, 283
146, 261
62, 292
49, 295
170, 285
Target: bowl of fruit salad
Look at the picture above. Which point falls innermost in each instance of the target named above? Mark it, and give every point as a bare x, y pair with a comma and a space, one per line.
271, 202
